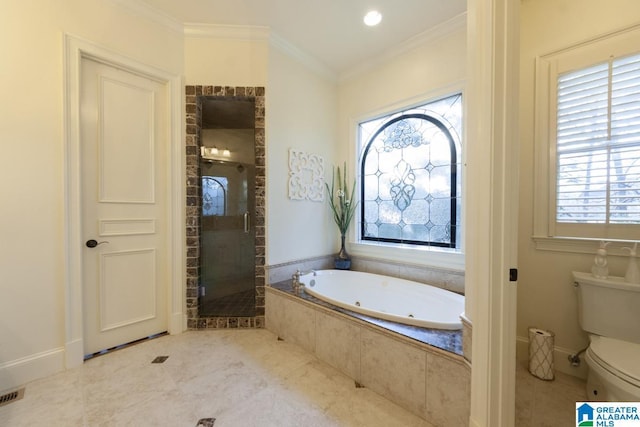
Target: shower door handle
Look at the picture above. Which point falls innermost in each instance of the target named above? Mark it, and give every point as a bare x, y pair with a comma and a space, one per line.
247, 224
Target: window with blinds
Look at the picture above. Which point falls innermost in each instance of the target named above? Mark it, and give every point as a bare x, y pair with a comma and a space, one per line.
598, 143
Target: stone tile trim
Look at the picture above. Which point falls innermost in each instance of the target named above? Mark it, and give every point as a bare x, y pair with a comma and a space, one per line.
193, 112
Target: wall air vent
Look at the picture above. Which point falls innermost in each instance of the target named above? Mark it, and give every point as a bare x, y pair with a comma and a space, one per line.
11, 396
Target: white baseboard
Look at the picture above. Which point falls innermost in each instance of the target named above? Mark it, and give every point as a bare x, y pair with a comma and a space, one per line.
74, 354
18, 372
177, 323
560, 358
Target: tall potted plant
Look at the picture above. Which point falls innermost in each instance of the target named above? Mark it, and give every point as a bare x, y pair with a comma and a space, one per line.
343, 208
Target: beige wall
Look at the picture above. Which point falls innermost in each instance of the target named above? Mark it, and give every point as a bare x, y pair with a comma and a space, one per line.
546, 297
301, 114
432, 68
32, 240
405, 78
225, 62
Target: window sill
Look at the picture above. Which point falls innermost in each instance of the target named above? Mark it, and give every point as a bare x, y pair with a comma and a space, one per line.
580, 245
423, 256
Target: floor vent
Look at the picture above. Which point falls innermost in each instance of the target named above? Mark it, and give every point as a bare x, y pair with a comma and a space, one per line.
120, 347
206, 422
160, 359
12, 396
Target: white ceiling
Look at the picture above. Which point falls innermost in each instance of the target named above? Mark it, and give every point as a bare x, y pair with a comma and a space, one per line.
331, 31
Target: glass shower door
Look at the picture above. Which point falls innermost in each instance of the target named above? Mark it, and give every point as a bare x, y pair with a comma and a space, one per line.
227, 258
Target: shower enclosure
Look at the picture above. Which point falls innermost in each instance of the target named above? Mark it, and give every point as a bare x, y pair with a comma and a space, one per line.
227, 223
225, 152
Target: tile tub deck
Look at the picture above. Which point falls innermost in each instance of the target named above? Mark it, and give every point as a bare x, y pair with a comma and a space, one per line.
421, 370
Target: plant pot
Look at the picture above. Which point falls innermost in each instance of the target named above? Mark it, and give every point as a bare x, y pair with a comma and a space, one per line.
342, 261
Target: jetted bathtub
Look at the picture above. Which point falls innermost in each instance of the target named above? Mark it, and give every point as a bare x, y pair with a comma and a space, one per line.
387, 298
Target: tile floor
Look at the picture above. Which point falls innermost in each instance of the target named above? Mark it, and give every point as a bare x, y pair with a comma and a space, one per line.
240, 304
240, 378
547, 403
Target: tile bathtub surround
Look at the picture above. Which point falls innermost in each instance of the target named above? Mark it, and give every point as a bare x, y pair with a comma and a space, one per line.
281, 272
430, 382
450, 341
447, 279
450, 280
193, 106
239, 377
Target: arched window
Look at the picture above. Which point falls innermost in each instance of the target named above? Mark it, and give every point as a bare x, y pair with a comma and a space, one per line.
410, 175
214, 195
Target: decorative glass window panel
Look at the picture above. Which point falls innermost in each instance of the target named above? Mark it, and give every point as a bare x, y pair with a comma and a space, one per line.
214, 195
598, 144
410, 175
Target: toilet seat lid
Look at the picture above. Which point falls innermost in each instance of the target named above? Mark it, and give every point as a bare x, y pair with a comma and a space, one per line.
621, 358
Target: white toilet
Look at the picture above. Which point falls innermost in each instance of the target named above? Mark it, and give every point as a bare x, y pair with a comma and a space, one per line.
609, 310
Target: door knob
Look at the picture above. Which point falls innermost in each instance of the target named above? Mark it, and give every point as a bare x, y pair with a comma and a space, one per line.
93, 243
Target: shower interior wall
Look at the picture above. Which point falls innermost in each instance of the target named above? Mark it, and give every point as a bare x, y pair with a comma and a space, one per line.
227, 237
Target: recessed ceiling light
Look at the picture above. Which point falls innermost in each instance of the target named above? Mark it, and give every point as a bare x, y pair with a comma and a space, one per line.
372, 18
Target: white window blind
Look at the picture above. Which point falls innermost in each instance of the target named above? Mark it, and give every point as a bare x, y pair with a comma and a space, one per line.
598, 143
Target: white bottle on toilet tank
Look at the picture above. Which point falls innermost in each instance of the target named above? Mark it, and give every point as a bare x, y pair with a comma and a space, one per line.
633, 273
600, 268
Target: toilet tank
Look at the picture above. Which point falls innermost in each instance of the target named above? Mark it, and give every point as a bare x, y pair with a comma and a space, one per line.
608, 307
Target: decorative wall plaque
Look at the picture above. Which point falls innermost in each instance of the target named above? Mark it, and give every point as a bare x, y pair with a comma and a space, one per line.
306, 176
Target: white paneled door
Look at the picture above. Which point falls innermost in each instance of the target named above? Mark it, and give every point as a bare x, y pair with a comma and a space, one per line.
124, 146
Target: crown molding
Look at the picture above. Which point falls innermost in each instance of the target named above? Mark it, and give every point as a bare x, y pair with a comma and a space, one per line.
233, 32
453, 25
143, 10
259, 33
303, 57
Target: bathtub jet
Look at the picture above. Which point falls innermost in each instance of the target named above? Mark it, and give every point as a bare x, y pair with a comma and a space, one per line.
387, 298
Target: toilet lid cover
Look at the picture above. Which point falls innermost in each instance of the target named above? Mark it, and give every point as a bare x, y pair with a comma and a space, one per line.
622, 356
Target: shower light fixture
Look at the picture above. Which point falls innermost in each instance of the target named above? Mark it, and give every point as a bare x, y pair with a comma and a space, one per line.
208, 151
372, 18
